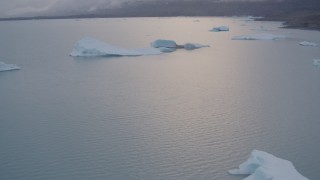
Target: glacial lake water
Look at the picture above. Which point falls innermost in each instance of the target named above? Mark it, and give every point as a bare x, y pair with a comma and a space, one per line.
181, 115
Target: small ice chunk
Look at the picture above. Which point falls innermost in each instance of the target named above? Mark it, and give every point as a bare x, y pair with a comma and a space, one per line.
259, 37
8, 67
306, 43
247, 18
192, 46
316, 62
220, 28
265, 166
90, 47
256, 17
170, 46
164, 43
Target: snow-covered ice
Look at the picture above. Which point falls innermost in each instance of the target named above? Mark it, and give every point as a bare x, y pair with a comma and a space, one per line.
316, 62
265, 166
306, 43
220, 28
90, 47
259, 37
8, 67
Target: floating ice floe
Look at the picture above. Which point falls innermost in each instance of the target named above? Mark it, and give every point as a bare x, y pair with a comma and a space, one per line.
192, 46
247, 18
170, 46
306, 43
220, 28
90, 47
316, 62
8, 67
259, 37
164, 43
265, 166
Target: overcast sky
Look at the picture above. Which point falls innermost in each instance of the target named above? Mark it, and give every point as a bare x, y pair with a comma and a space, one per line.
16, 8
13, 8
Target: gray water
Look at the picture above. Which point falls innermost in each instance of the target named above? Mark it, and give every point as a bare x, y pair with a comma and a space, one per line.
184, 115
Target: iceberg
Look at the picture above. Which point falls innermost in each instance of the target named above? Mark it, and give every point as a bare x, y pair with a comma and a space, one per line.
259, 37
220, 28
316, 62
8, 67
90, 47
247, 18
170, 46
306, 43
165, 45
265, 166
192, 46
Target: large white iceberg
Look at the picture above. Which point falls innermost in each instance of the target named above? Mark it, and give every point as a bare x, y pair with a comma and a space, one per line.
259, 37
90, 47
220, 28
306, 43
265, 166
170, 46
8, 67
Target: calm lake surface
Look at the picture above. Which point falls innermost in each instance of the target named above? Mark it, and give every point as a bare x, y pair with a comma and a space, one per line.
181, 115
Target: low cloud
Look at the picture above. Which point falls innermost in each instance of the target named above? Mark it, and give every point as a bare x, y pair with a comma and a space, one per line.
16, 8
19, 8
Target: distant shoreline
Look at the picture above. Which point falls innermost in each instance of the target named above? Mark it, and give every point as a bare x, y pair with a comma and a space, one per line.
295, 13
306, 20
300, 20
